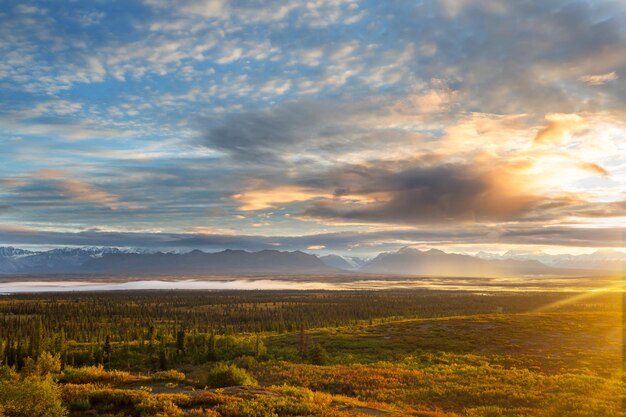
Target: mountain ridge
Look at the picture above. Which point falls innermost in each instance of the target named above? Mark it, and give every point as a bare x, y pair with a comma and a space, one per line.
405, 261
602, 259
434, 262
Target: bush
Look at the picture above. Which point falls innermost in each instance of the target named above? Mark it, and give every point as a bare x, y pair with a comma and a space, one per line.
318, 355
199, 412
170, 375
7, 373
87, 374
223, 375
31, 397
246, 362
46, 364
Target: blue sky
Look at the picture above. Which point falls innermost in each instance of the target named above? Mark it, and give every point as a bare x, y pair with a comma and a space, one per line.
328, 125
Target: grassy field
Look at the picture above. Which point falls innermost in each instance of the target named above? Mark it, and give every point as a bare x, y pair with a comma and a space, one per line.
561, 356
540, 364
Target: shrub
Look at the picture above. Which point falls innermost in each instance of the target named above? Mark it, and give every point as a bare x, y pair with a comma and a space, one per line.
223, 375
7, 373
46, 364
208, 398
159, 407
170, 375
199, 412
93, 374
318, 355
246, 362
31, 397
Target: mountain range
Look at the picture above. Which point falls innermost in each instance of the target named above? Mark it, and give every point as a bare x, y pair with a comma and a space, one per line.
351, 263
607, 260
410, 261
406, 261
137, 261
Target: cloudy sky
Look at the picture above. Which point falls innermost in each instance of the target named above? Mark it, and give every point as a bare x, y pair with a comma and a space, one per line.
325, 125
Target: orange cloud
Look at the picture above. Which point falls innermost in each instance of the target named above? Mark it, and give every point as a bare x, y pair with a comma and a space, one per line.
274, 197
594, 168
77, 190
560, 126
206, 230
598, 79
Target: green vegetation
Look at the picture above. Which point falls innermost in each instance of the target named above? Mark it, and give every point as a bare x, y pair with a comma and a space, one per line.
30, 394
169, 375
318, 353
222, 375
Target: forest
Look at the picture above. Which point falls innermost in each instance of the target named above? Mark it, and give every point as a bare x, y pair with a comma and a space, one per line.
315, 353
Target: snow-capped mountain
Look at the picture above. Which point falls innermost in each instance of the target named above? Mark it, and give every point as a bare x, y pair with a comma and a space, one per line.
598, 260
11, 252
69, 259
136, 261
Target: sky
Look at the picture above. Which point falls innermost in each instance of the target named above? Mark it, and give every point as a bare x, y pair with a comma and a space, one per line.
340, 126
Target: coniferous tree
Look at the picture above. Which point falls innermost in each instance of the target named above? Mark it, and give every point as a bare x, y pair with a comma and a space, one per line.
106, 350
181, 344
212, 348
163, 363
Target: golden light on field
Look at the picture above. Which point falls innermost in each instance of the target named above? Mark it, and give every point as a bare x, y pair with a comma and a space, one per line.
588, 295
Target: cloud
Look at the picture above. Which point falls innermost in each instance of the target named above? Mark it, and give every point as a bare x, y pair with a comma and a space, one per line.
205, 230
448, 193
27, 9
276, 87
64, 127
341, 173
600, 210
349, 115
96, 68
316, 130
431, 102
76, 190
318, 13
594, 168
261, 199
316, 247
560, 127
366, 243
599, 79
263, 135
230, 56
52, 107
454, 8
206, 8
217, 212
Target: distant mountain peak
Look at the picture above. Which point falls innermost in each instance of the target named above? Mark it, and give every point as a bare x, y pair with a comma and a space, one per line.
407, 249
339, 262
434, 251
10, 251
435, 262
